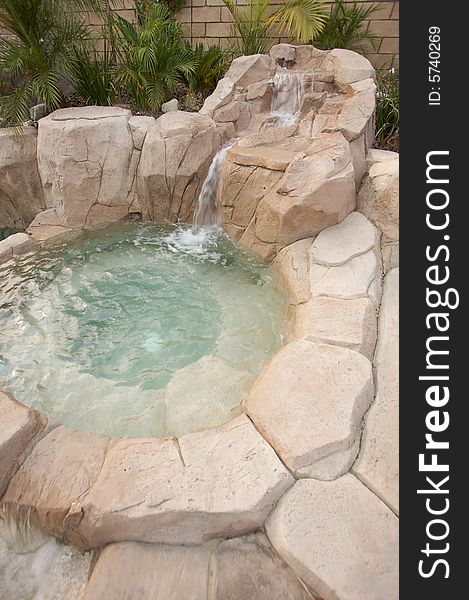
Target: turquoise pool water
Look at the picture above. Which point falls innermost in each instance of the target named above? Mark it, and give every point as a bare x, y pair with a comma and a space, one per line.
137, 329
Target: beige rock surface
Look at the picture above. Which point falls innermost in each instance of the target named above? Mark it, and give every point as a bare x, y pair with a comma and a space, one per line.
175, 159
350, 67
62, 467
339, 538
149, 572
217, 483
246, 70
87, 164
316, 192
378, 462
360, 277
9, 215
19, 429
390, 256
309, 401
248, 567
375, 155
292, 262
378, 198
350, 324
222, 95
139, 127
14, 245
357, 114
19, 177
333, 466
283, 52
335, 246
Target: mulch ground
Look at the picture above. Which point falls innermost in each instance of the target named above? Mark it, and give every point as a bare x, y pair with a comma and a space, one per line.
391, 143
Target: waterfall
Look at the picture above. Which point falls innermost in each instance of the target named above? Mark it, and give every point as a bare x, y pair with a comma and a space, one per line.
208, 212
288, 92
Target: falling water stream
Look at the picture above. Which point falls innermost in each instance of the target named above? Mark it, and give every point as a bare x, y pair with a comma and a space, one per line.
208, 212
288, 92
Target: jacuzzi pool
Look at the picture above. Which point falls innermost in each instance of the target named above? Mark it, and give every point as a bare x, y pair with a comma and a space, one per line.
137, 329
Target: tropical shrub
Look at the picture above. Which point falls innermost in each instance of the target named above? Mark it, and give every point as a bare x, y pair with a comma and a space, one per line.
345, 28
37, 54
152, 58
92, 74
253, 27
209, 66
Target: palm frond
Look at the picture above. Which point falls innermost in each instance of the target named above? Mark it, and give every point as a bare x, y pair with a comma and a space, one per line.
345, 28
301, 19
14, 108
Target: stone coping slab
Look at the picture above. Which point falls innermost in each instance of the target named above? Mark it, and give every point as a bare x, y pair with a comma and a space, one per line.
235, 569
339, 538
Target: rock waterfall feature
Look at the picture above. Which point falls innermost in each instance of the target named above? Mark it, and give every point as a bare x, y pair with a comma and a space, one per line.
208, 212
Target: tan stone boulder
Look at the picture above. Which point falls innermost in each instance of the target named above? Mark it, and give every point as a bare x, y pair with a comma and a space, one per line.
242, 187
47, 224
337, 245
283, 52
150, 572
60, 469
378, 462
360, 277
222, 95
14, 245
9, 215
249, 563
175, 159
357, 117
339, 538
246, 70
348, 323
375, 155
217, 483
20, 427
378, 198
309, 401
19, 177
317, 191
292, 263
87, 164
350, 67
139, 127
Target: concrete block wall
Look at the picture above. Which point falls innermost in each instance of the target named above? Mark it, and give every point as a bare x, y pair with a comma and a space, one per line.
209, 22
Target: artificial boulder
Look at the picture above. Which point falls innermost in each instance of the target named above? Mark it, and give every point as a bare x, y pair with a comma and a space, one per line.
309, 401
20, 186
316, 191
175, 160
339, 538
378, 198
19, 428
87, 164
